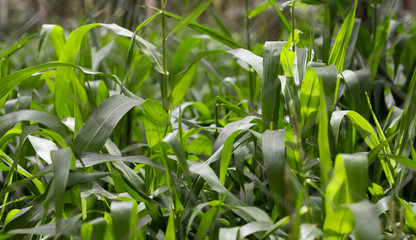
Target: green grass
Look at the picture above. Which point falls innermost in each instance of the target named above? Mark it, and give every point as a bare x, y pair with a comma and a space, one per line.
190, 130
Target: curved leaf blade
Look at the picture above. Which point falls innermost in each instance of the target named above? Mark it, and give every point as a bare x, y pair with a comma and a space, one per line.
98, 127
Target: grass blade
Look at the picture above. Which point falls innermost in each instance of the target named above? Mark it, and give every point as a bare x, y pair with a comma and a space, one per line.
67, 85
367, 224
339, 50
323, 140
408, 123
379, 44
56, 35
271, 86
61, 163
191, 16
101, 123
276, 167
209, 31
120, 215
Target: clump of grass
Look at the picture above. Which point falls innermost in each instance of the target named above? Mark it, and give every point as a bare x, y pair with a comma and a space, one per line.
291, 139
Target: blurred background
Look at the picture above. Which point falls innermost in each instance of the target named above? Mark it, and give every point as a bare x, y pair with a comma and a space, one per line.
18, 17
22, 16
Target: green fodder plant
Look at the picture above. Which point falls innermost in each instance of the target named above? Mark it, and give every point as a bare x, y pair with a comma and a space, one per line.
183, 130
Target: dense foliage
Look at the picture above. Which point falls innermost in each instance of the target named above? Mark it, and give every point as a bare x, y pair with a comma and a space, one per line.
191, 131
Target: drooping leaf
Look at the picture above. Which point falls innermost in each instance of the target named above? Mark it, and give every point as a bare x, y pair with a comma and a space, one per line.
101, 123
56, 35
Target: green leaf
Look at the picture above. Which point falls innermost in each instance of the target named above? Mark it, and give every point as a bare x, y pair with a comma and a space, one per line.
339, 50
276, 168
10, 81
101, 123
15, 47
407, 125
10, 215
56, 35
170, 230
287, 59
379, 45
226, 154
229, 233
323, 140
191, 16
120, 215
259, 9
309, 231
67, 85
367, 223
206, 172
229, 129
86, 231
146, 47
99, 227
147, 21
339, 224
328, 76
361, 124
349, 181
353, 85
174, 143
208, 175
253, 227
47, 229
92, 159
249, 57
43, 147
61, 163
279, 224
182, 52
209, 31
409, 163
281, 16
180, 89
351, 45
309, 97
11, 119
156, 122
271, 86
208, 220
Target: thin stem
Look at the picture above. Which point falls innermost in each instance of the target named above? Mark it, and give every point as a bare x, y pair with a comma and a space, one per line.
249, 74
293, 26
180, 124
164, 83
248, 27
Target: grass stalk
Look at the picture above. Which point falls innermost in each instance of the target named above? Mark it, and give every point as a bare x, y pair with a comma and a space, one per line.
293, 26
249, 74
164, 83
120, 153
